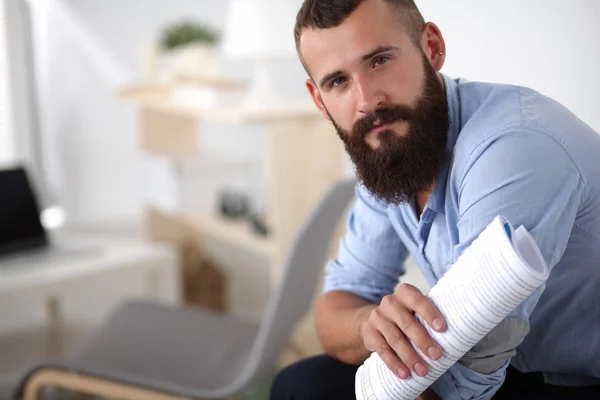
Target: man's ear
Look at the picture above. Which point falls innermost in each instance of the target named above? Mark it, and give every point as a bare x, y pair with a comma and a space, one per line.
433, 46
316, 96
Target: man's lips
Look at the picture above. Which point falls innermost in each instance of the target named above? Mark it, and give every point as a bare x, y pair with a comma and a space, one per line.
377, 127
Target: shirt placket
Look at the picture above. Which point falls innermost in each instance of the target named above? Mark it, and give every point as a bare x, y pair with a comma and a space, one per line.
423, 231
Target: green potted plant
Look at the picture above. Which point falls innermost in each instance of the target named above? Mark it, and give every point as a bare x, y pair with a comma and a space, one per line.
187, 32
187, 50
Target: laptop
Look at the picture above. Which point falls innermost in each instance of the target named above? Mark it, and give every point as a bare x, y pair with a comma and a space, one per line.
23, 239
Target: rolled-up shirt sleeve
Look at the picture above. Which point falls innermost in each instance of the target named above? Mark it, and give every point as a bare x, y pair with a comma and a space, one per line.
530, 179
371, 255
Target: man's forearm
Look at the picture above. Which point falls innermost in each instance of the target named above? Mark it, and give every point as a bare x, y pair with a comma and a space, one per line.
339, 317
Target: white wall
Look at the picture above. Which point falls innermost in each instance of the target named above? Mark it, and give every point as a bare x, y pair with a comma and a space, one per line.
548, 45
92, 134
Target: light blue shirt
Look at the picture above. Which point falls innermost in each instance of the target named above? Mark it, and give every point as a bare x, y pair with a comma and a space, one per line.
516, 153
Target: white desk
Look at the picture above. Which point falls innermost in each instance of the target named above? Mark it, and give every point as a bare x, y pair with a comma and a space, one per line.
105, 256
111, 259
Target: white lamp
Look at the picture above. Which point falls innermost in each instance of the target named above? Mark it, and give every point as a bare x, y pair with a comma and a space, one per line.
261, 30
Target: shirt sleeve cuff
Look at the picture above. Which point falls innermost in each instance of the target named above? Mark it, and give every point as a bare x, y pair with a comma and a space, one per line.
370, 293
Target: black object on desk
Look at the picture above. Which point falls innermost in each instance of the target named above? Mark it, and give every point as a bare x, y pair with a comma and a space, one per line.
237, 205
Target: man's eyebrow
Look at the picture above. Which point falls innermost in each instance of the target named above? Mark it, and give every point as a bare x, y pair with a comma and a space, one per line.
377, 50
366, 57
329, 76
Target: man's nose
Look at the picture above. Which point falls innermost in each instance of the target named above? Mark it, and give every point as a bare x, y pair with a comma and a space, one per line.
370, 97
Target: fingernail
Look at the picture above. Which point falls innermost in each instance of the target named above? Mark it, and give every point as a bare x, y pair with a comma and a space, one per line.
434, 352
420, 369
402, 373
438, 324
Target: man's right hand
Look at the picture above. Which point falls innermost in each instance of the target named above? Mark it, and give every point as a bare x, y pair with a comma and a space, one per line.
392, 324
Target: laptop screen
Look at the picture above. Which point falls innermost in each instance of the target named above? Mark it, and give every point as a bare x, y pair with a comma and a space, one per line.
20, 226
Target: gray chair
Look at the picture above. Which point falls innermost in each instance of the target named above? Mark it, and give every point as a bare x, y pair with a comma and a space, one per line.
151, 351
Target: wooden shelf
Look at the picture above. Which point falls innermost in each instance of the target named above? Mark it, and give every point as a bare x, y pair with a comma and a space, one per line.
235, 232
171, 124
160, 98
180, 227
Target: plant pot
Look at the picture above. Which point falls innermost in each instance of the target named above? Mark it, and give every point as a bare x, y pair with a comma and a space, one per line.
195, 60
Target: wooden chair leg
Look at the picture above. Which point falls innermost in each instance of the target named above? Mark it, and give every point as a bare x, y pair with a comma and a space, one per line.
87, 384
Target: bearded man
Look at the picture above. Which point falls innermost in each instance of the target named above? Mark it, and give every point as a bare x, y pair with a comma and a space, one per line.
437, 159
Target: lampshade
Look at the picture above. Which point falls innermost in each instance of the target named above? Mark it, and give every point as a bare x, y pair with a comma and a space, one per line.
260, 28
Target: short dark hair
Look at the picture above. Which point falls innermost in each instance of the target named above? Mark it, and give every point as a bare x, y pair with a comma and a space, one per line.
324, 14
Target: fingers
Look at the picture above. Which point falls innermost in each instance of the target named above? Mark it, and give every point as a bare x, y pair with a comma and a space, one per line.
405, 320
402, 327
375, 341
418, 335
419, 303
401, 346
392, 327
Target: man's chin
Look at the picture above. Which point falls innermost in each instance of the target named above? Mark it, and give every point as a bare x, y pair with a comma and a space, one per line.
380, 141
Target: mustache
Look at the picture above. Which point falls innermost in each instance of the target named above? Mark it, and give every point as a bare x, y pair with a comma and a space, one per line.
385, 115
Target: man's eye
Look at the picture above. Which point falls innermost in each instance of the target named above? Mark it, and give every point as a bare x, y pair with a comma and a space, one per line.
338, 81
381, 60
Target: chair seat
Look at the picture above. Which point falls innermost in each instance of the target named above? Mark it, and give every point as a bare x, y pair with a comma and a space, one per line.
168, 346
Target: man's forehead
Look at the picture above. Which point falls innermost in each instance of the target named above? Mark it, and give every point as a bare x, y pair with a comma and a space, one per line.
322, 49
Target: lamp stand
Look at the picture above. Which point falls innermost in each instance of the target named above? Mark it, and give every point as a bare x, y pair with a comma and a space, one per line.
261, 93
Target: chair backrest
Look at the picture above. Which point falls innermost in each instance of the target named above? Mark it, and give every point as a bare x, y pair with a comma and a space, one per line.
303, 268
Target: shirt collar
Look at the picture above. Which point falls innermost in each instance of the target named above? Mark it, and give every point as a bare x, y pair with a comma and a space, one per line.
437, 199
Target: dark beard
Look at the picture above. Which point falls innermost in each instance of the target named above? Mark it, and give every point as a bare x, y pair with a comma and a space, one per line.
402, 166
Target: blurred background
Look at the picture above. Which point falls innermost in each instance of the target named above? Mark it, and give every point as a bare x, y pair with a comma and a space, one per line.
169, 143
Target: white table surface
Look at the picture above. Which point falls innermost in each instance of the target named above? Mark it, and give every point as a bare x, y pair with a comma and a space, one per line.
101, 255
